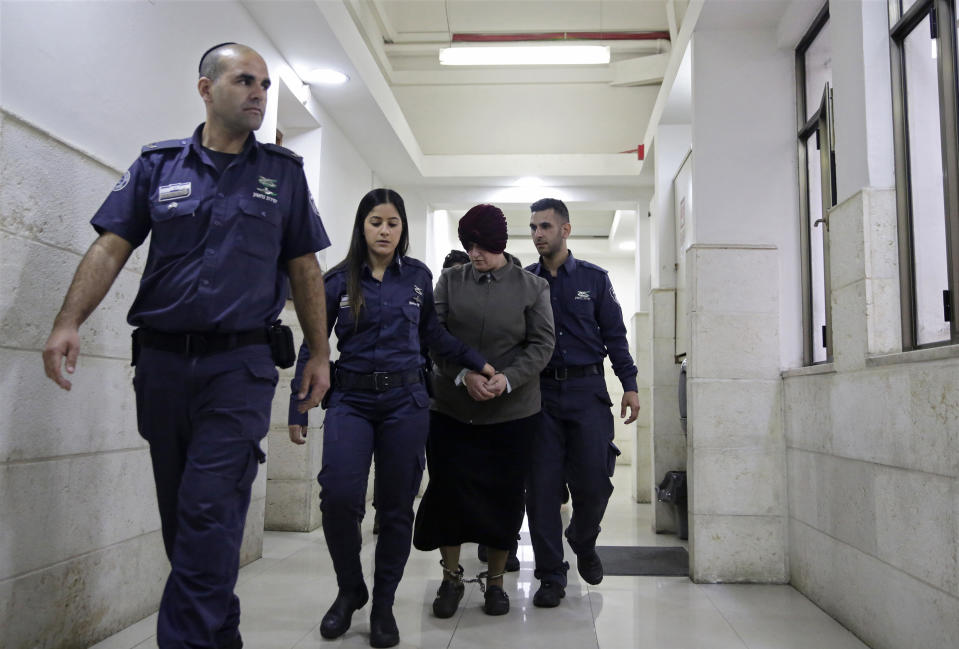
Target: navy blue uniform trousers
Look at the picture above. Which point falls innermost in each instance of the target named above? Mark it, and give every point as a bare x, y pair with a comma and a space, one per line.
574, 445
391, 426
204, 417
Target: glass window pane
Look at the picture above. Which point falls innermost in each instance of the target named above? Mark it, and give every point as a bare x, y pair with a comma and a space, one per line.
818, 64
925, 183
817, 279
905, 4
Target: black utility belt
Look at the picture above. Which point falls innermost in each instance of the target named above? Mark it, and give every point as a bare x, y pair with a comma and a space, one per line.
278, 336
377, 381
572, 372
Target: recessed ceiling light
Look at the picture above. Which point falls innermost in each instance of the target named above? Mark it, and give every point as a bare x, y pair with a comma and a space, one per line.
326, 76
529, 181
627, 245
526, 55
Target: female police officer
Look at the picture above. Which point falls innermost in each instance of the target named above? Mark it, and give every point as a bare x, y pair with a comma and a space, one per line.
381, 303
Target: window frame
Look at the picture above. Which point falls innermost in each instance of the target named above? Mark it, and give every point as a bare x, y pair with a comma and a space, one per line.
901, 25
805, 130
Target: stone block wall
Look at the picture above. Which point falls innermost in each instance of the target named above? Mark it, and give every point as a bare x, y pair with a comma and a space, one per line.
81, 555
737, 506
873, 454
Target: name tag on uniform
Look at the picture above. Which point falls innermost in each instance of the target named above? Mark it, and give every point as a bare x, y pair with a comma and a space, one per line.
176, 190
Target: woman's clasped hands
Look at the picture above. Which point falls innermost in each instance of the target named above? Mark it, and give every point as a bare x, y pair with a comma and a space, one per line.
486, 385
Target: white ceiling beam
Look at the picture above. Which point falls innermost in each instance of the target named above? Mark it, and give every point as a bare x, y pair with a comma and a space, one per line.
642, 71
379, 11
671, 19
432, 44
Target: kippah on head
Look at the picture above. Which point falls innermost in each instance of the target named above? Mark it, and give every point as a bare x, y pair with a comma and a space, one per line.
484, 225
203, 58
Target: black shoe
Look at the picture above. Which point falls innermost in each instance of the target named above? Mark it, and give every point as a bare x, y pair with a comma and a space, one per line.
512, 561
448, 598
548, 595
383, 630
481, 552
337, 620
496, 601
590, 567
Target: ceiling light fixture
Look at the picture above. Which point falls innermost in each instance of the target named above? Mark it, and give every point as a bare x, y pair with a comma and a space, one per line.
526, 55
529, 181
326, 76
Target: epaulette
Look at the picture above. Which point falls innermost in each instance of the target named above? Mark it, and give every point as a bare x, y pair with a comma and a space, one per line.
591, 266
276, 148
336, 270
416, 263
165, 144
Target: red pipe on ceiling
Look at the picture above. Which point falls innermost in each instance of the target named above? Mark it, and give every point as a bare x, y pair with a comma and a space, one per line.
560, 36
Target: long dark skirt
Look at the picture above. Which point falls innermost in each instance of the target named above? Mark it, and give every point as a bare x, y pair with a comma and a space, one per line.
476, 491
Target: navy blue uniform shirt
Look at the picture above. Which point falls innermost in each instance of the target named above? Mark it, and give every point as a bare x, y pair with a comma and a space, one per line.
220, 242
588, 319
397, 321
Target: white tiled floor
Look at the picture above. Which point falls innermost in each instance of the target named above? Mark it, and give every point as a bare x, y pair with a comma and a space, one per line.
285, 594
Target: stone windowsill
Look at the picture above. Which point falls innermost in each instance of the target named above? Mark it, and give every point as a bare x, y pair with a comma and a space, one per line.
809, 370
915, 356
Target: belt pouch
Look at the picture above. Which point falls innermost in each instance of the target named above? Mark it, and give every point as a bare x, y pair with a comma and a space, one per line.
281, 345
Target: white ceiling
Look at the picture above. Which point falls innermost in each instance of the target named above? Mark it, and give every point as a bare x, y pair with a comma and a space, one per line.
465, 135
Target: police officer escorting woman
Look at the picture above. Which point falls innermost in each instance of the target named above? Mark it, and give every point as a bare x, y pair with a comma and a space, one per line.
381, 304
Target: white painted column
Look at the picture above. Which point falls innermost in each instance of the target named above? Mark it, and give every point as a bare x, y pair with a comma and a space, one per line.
745, 232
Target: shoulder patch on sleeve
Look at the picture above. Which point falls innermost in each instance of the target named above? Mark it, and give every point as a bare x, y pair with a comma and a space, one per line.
165, 144
279, 150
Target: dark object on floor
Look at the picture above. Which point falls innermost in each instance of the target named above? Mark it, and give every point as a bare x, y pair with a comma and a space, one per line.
496, 601
672, 490
383, 630
337, 620
548, 595
448, 598
668, 561
590, 567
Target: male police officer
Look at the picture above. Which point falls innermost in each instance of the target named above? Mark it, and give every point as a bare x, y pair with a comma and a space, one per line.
576, 441
230, 219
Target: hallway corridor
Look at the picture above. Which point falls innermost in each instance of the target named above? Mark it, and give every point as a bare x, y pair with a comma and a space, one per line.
285, 593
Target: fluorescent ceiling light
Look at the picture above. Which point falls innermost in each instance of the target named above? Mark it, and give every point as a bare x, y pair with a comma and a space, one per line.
529, 181
526, 55
627, 245
326, 76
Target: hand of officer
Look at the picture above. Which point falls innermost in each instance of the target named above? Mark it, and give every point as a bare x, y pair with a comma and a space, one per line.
63, 342
497, 384
630, 400
476, 387
314, 384
297, 434
488, 371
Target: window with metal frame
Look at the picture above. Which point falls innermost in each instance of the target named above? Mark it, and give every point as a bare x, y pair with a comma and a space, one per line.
926, 128
817, 183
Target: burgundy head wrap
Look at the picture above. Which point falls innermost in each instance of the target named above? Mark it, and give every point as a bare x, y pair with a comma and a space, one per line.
484, 225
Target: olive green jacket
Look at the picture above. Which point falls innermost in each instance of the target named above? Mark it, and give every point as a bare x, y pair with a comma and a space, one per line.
505, 316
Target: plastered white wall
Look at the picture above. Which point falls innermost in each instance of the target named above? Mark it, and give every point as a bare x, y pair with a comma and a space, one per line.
744, 186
